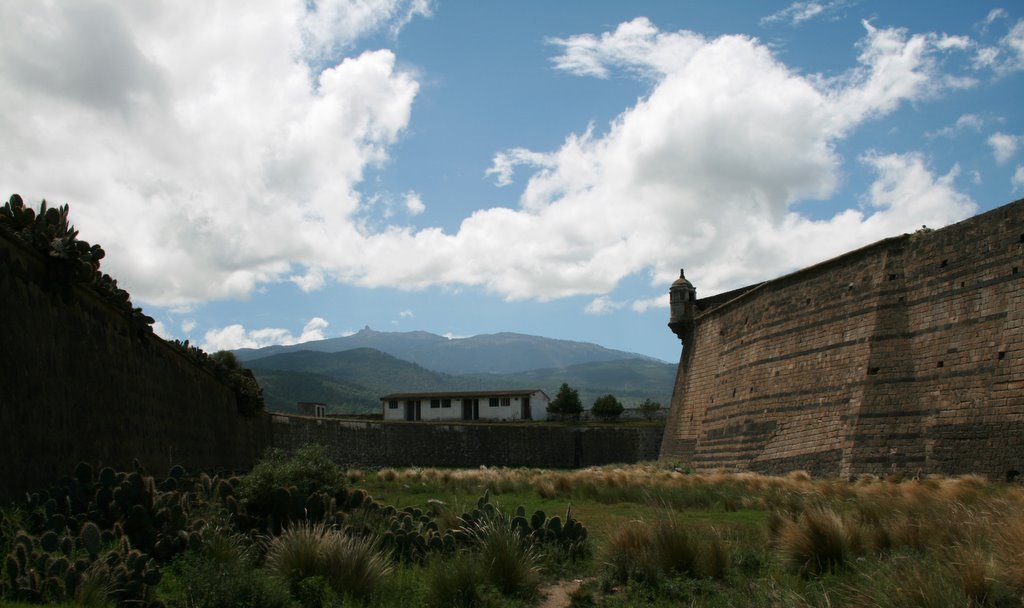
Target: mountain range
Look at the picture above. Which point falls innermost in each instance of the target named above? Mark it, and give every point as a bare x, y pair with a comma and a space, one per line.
487, 353
350, 373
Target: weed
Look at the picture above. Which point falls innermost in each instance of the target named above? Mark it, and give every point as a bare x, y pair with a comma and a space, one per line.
96, 588
352, 566
510, 563
456, 582
296, 553
814, 544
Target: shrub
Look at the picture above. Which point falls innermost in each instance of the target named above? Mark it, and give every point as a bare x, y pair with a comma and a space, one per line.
510, 563
456, 582
350, 566
223, 546
627, 555
814, 544
296, 553
673, 549
607, 407
309, 470
199, 579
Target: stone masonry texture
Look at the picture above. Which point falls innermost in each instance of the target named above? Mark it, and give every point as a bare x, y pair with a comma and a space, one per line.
906, 356
80, 382
461, 445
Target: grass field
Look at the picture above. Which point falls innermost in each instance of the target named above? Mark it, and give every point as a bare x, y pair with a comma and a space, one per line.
759, 540
655, 536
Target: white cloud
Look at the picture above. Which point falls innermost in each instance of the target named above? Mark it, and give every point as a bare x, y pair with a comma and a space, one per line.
643, 305
967, 121
204, 182
602, 305
704, 169
945, 42
414, 204
188, 325
406, 314
312, 280
1005, 58
236, 336
313, 330
986, 57
505, 163
331, 25
161, 330
1014, 43
798, 12
218, 159
1018, 178
1004, 146
635, 45
996, 13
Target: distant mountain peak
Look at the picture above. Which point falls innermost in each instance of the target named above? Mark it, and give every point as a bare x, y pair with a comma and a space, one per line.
501, 352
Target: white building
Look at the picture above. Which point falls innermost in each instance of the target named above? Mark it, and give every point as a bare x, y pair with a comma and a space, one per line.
513, 404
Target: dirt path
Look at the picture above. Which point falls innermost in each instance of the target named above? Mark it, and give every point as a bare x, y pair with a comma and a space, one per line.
557, 595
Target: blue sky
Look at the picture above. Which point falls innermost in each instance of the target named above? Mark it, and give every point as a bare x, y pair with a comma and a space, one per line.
298, 170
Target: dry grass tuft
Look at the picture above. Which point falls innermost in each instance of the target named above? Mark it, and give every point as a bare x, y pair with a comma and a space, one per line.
814, 544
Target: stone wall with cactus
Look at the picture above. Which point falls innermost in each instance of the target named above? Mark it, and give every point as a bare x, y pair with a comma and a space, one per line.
84, 378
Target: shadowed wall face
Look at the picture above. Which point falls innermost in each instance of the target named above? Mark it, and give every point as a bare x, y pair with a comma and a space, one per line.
377, 444
79, 382
904, 356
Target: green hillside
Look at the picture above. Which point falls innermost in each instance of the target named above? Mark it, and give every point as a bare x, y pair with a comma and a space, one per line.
500, 353
352, 381
631, 380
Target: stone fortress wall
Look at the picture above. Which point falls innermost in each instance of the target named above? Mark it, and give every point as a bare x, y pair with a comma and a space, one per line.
904, 356
79, 381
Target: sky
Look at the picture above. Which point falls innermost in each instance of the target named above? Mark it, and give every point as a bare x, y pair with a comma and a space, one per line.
278, 171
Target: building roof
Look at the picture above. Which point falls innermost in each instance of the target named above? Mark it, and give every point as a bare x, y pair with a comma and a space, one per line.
512, 392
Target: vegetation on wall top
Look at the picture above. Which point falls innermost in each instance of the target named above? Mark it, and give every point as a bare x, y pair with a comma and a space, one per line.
224, 365
73, 261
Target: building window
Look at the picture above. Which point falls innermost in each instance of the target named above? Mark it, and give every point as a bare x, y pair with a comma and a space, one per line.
393, 404
506, 401
435, 403
494, 402
446, 403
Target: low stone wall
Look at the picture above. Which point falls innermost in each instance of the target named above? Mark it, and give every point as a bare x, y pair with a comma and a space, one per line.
376, 444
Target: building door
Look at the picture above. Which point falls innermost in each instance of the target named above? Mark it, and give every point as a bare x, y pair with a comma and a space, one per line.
412, 410
470, 409
526, 409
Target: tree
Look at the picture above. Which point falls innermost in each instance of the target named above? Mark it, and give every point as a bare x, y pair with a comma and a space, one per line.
607, 407
649, 408
566, 402
227, 359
